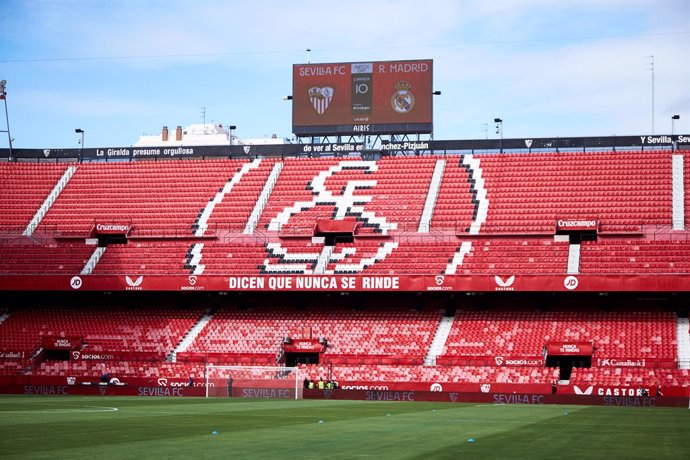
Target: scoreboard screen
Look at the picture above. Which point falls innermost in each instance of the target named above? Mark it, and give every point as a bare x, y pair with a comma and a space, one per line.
359, 98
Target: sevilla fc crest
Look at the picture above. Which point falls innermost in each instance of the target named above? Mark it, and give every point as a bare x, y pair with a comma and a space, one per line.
320, 98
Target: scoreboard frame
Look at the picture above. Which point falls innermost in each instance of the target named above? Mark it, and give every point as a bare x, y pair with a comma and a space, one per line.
360, 98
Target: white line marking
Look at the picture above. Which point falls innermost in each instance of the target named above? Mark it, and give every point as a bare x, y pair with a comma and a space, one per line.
86, 409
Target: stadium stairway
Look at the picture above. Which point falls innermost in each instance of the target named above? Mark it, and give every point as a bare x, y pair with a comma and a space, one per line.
194, 259
253, 220
574, 259
93, 260
458, 257
202, 224
190, 336
482, 208
50, 199
439, 341
683, 343
678, 192
322, 261
432, 195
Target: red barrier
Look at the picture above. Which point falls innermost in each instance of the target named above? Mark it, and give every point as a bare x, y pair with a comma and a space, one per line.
659, 363
259, 359
521, 388
502, 360
364, 395
340, 283
87, 355
57, 380
484, 388
11, 355
498, 398
102, 390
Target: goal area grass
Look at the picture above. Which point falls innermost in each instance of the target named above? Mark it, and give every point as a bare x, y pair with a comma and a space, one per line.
149, 427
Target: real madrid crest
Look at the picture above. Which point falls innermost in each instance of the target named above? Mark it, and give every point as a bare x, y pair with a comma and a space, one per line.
402, 100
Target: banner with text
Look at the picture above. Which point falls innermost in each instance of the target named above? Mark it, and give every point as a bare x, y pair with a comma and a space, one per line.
351, 283
51, 342
569, 348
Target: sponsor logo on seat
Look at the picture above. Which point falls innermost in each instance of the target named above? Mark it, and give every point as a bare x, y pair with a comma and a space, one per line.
439, 280
193, 284
504, 285
581, 224
75, 282
571, 283
114, 228
623, 391
612, 362
436, 387
586, 391
134, 285
11, 354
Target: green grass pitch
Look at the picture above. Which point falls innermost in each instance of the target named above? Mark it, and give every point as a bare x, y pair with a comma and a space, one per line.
74, 427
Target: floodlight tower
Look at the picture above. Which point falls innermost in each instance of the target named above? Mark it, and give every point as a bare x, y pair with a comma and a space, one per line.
3, 96
81, 143
499, 130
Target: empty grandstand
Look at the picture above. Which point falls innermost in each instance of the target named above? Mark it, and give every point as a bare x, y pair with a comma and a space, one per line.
529, 272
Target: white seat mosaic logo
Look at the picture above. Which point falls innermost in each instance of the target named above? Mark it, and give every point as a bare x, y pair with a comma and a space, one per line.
346, 203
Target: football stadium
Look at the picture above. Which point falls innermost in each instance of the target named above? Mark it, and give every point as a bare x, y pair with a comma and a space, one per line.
363, 289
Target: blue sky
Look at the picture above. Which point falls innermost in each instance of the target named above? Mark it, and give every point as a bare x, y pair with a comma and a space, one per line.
122, 68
